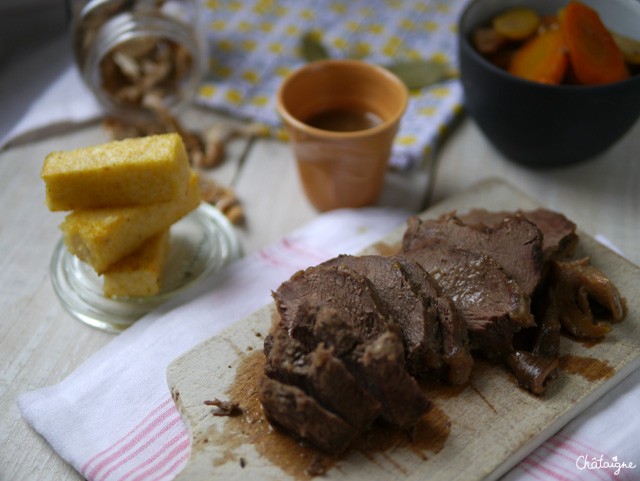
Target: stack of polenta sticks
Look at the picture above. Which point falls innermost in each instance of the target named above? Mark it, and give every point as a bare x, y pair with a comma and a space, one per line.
124, 196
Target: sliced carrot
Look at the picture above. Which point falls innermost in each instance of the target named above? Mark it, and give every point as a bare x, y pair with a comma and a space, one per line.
594, 55
542, 59
516, 23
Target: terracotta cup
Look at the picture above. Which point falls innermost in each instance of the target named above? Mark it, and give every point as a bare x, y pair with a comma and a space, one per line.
339, 166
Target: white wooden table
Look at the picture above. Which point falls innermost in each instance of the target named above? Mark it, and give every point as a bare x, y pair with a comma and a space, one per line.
40, 343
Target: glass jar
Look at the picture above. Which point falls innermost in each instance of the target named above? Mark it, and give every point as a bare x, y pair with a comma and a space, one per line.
141, 58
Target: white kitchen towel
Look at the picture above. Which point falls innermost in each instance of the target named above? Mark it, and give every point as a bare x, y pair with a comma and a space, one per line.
113, 418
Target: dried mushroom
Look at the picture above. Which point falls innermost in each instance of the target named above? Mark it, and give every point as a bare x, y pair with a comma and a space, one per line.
223, 198
144, 66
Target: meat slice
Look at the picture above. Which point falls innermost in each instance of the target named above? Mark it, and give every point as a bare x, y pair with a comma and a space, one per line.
414, 314
380, 365
303, 417
515, 243
321, 375
334, 314
559, 233
559, 238
342, 289
318, 324
377, 364
455, 357
493, 306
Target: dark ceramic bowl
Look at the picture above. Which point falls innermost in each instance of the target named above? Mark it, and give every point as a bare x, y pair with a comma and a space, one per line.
543, 125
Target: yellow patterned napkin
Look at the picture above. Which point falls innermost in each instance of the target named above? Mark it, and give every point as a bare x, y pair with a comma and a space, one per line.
253, 44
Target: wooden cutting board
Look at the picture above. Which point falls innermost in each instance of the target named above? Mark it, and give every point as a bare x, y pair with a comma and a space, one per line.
477, 432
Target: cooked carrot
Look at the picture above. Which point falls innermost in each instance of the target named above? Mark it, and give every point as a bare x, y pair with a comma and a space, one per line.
542, 59
594, 55
516, 23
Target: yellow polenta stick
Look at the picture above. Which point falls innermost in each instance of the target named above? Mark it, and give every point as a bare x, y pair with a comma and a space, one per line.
140, 273
119, 173
100, 237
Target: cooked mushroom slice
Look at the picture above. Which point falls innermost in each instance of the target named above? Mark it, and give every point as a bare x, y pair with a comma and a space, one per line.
586, 300
533, 371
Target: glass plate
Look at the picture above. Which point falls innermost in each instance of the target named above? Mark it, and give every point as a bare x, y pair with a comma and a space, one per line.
200, 243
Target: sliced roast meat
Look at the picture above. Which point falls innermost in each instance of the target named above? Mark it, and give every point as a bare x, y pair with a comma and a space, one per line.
416, 316
323, 376
559, 238
492, 304
515, 243
315, 324
559, 233
335, 386
368, 381
380, 365
452, 354
303, 417
354, 331
348, 292
337, 309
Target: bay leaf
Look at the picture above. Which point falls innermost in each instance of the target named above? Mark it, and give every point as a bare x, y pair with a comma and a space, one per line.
417, 74
311, 48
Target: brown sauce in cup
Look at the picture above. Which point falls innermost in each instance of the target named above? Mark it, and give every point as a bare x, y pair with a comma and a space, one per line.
343, 120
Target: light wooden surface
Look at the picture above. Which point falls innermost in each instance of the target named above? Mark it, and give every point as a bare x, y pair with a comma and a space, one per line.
482, 416
40, 343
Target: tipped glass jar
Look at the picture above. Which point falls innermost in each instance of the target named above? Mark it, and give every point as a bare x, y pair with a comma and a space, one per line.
141, 58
